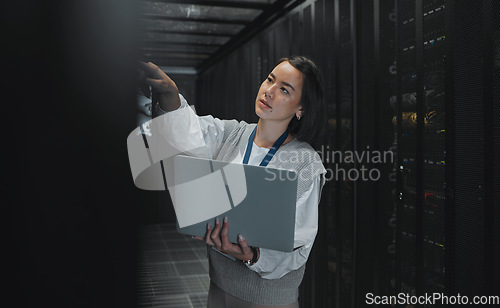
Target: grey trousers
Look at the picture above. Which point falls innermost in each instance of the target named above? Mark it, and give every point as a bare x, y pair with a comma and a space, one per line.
220, 299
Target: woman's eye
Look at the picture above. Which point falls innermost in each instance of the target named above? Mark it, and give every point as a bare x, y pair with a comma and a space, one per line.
284, 90
269, 79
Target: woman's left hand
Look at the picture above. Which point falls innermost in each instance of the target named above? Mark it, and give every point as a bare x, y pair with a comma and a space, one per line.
219, 239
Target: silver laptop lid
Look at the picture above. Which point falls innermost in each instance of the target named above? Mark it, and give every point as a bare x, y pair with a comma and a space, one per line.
258, 201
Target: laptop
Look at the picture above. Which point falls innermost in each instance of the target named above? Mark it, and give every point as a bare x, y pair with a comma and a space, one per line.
258, 201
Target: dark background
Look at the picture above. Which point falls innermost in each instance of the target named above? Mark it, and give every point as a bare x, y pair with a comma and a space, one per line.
69, 199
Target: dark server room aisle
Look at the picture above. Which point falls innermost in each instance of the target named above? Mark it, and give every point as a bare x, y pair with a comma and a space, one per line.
172, 269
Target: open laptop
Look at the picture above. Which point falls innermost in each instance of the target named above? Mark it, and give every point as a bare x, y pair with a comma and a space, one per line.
258, 201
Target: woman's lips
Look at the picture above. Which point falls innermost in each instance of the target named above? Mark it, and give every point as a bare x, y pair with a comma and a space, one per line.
264, 104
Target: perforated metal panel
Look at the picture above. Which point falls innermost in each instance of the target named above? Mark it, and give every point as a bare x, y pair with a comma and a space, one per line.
406, 232
434, 130
469, 149
496, 139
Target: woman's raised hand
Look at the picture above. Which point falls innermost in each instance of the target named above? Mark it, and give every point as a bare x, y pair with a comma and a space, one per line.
164, 88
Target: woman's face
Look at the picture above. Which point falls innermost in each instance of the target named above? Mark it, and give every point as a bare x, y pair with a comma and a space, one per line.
279, 95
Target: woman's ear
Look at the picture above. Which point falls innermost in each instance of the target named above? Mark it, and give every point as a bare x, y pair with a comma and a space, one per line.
298, 114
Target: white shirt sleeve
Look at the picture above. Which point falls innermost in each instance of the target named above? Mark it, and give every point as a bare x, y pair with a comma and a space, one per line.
204, 132
273, 264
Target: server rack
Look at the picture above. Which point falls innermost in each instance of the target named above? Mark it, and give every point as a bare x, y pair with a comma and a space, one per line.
421, 140
475, 199
374, 33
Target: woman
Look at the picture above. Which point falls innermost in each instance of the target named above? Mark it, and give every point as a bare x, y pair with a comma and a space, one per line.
289, 107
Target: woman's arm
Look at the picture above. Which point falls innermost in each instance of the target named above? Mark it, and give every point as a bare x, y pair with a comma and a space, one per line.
186, 131
189, 131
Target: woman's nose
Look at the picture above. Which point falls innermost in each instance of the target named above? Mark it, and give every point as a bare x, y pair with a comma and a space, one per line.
269, 91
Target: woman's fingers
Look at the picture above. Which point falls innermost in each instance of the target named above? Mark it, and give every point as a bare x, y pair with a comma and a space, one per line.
218, 238
208, 238
215, 236
150, 69
156, 78
224, 232
226, 244
241, 251
155, 83
245, 249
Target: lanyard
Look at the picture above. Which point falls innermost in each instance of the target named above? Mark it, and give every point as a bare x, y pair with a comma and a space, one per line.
271, 151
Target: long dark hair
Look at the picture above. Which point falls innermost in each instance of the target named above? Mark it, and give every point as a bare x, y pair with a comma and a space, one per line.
310, 128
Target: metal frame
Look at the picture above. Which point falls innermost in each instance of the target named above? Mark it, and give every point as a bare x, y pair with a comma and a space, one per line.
270, 13
419, 204
489, 154
450, 149
231, 4
224, 34
275, 11
203, 20
147, 43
